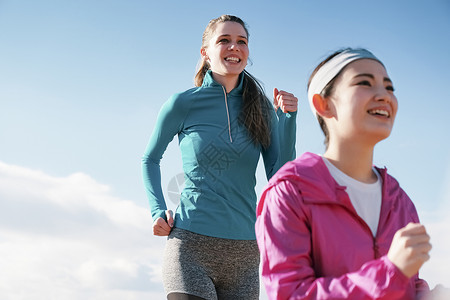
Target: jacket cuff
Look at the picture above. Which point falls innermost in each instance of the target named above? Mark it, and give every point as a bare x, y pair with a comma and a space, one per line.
159, 213
288, 115
397, 275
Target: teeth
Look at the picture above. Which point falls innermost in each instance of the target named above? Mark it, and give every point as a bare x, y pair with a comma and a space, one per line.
235, 59
379, 112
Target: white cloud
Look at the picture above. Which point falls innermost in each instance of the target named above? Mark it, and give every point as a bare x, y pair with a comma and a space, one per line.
70, 238
437, 269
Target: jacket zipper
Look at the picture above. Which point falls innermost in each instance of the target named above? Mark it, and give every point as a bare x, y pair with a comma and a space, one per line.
228, 114
376, 250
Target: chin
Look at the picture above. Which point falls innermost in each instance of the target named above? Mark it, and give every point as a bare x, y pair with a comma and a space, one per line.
381, 132
373, 137
380, 136
234, 72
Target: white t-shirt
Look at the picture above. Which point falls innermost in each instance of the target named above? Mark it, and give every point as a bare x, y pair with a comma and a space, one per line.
365, 197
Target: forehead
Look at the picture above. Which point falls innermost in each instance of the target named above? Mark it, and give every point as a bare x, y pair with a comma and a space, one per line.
364, 66
230, 28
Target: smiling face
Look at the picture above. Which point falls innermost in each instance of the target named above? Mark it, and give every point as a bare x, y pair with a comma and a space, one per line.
363, 103
227, 50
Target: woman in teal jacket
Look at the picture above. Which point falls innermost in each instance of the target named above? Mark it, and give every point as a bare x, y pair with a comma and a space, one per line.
223, 126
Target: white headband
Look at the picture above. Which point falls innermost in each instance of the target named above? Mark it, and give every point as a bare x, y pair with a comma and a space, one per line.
332, 68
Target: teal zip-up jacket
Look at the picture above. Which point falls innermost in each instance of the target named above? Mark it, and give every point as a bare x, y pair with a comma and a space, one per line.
219, 160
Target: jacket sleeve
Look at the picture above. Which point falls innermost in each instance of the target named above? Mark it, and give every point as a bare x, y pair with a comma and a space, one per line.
287, 130
282, 141
422, 289
285, 242
168, 124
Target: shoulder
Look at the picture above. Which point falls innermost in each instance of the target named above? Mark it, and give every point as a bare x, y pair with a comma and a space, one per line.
182, 99
306, 166
179, 104
392, 191
391, 186
310, 176
302, 176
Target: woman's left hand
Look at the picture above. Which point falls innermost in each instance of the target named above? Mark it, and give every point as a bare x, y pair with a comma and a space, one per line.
284, 100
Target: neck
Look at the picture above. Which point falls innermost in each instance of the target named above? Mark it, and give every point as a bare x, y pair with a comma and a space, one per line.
229, 82
354, 160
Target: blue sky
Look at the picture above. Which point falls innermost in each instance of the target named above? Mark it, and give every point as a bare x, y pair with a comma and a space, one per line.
81, 83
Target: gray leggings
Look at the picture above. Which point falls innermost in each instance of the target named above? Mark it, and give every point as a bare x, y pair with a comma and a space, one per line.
209, 267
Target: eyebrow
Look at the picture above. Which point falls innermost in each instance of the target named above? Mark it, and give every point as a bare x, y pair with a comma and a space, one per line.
228, 35
386, 79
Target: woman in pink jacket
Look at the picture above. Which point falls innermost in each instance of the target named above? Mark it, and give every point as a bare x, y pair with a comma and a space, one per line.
334, 226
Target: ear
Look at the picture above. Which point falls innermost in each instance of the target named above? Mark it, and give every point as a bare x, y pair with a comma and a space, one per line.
204, 54
323, 106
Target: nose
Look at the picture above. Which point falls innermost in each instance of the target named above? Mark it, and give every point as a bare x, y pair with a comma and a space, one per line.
233, 46
383, 95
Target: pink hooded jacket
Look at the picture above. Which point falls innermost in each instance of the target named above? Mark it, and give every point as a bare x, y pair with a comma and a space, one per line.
315, 246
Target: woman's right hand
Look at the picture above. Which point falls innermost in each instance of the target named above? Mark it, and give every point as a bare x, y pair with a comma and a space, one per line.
409, 248
162, 227
286, 101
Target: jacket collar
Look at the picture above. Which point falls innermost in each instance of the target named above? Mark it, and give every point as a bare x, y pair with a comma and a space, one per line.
209, 81
317, 185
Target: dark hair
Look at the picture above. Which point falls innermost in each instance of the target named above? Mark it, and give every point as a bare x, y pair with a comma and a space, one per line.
327, 90
255, 114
